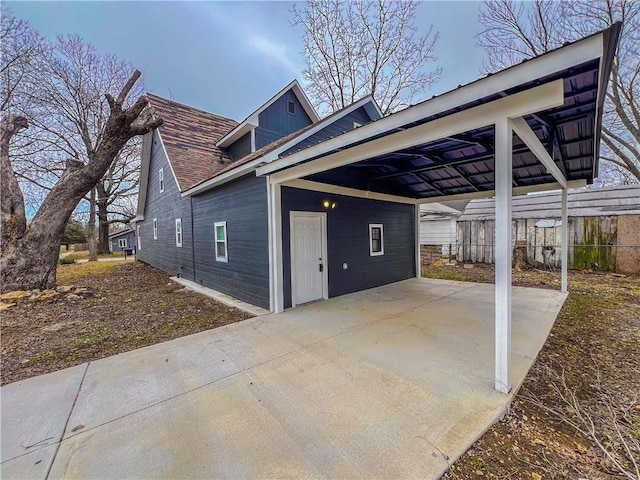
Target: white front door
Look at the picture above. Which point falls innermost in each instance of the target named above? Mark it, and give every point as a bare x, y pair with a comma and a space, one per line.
307, 263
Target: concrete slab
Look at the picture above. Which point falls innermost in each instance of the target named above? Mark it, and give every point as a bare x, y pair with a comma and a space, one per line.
392, 382
30, 466
35, 411
222, 297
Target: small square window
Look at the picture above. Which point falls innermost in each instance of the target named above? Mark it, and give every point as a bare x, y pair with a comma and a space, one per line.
178, 232
122, 242
291, 107
376, 239
220, 231
155, 228
161, 179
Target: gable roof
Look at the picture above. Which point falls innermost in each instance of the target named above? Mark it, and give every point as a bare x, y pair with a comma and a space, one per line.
251, 121
273, 150
586, 202
438, 211
123, 232
189, 137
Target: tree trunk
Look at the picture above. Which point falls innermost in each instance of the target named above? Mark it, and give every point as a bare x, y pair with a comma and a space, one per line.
103, 219
93, 255
14, 221
30, 262
29, 256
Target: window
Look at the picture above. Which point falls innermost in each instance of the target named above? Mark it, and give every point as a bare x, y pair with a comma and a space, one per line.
376, 239
139, 237
221, 241
356, 124
291, 107
178, 232
161, 179
122, 243
155, 228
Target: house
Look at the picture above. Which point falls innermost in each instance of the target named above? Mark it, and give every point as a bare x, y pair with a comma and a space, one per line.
285, 208
121, 241
199, 178
603, 228
438, 229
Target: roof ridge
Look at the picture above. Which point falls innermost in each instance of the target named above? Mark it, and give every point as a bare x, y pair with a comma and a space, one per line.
190, 107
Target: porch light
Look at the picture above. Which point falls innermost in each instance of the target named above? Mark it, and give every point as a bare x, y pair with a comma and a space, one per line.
328, 204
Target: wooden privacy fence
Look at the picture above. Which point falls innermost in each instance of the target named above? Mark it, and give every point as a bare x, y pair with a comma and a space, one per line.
593, 242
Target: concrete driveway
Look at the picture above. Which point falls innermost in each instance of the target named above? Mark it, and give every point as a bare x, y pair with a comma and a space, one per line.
394, 382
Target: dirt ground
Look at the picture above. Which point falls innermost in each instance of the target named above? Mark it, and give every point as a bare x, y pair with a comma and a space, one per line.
578, 412
128, 306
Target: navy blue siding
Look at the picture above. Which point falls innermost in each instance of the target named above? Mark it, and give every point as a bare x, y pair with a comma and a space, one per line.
275, 122
166, 207
243, 205
131, 242
240, 147
348, 240
334, 129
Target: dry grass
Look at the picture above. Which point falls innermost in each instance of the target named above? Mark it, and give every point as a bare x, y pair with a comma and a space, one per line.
85, 254
74, 272
127, 305
578, 412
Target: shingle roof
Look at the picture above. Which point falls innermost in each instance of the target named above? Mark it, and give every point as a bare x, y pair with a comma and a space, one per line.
189, 136
258, 153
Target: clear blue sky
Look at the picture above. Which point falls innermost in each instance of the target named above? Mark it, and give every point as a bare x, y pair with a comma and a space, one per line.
230, 57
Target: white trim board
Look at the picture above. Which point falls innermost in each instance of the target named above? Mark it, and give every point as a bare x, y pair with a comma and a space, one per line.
348, 192
145, 163
168, 160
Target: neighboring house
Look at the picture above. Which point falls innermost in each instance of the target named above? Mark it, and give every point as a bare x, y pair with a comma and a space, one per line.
603, 228
125, 240
285, 208
438, 229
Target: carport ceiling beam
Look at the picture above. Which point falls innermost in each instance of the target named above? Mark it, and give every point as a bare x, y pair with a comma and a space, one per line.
547, 96
523, 130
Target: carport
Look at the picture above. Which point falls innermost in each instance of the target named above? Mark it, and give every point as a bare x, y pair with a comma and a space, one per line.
375, 384
532, 127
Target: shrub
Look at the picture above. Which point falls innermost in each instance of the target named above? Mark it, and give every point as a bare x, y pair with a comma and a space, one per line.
68, 260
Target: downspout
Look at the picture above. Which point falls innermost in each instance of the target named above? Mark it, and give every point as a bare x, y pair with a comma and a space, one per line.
193, 243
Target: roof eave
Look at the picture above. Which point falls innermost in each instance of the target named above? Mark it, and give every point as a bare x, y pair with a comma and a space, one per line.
610, 43
237, 133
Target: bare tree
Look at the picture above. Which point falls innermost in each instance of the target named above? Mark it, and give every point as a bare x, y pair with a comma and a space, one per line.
514, 31
40, 80
60, 79
116, 191
353, 49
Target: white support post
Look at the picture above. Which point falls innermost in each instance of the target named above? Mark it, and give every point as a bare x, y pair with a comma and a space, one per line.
275, 213
417, 240
503, 184
564, 247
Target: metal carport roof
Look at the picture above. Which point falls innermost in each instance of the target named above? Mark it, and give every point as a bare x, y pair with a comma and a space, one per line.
464, 163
